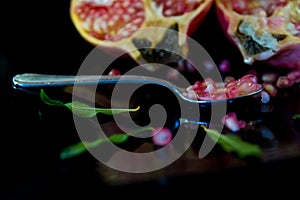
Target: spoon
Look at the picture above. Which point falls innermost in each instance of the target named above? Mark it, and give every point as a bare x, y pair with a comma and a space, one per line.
33, 80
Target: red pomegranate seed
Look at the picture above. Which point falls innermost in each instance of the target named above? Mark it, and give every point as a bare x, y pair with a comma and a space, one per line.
210, 90
231, 122
294, 76
270, 89
251, 77
269, 77
246, 87
240, 6
111, 24
232, 91
224, 66
228, 79
114, 72
283, 82
191, 94
161, 136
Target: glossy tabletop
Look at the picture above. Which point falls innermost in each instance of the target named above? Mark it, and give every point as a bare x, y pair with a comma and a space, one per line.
42, 39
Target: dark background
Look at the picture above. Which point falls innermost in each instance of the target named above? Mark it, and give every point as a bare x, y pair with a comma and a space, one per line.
39, 37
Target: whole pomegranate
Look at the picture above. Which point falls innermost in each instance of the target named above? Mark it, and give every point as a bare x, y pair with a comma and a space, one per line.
266, 31
117, 25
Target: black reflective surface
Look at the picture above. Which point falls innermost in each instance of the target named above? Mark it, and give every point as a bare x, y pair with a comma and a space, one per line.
40, 38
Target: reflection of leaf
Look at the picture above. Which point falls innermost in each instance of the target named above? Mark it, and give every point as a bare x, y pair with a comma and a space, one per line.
234, 144
82, 109
49, 101
82, 146
73, 150
118, 138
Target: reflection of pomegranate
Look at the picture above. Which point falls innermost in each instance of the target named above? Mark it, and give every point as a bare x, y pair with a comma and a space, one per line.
118, 25
267, 31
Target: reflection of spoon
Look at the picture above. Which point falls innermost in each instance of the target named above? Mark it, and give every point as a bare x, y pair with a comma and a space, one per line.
30, 80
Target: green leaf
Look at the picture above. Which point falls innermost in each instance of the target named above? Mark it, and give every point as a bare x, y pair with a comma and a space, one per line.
82, 109
296, 116
234, 144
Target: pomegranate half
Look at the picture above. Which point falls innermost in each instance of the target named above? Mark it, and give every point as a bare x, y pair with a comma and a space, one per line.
267, 31
117, 25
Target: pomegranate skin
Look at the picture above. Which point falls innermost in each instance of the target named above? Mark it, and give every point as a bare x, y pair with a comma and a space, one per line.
137, 27
287, 52
288, 57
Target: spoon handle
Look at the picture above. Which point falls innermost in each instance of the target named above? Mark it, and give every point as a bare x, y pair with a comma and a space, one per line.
46, 80
30, 80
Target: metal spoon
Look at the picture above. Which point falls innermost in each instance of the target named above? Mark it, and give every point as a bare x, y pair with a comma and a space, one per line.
32, 80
